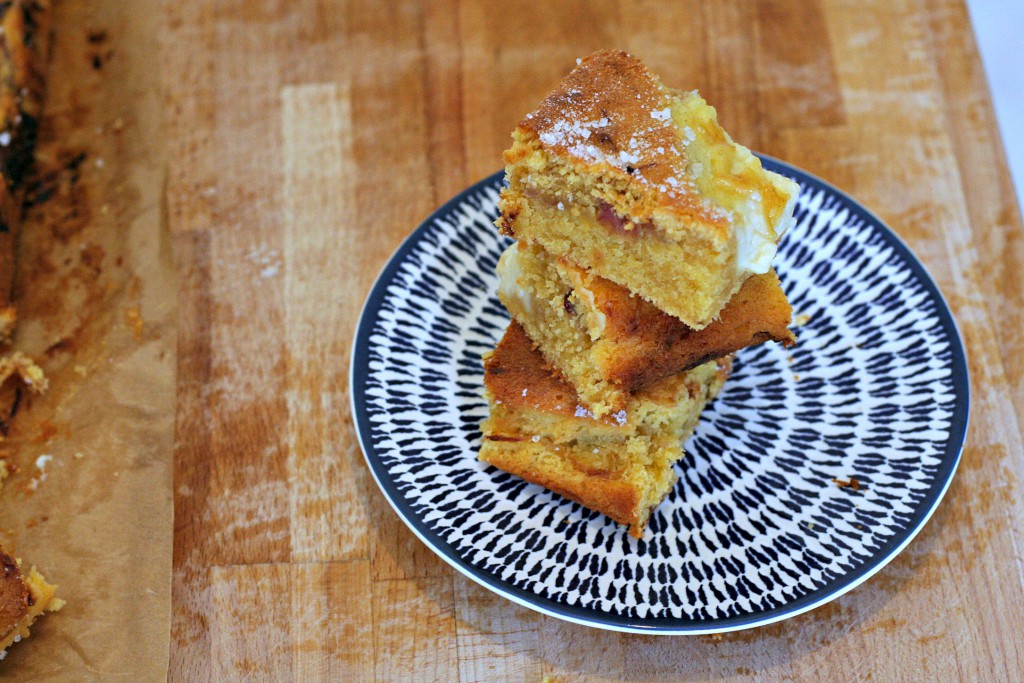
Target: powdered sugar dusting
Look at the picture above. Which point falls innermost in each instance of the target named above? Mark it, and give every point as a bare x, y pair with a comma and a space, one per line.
651, 147
575, 137
629, 157
611, 110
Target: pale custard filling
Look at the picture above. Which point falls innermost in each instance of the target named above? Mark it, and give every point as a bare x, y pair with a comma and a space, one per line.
511, 289
509, 273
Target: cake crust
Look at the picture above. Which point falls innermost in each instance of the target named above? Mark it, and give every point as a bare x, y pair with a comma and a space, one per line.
513, 376
619, 467
603, 112
645, 345
607, 492
14, 595
23, 598
610, 344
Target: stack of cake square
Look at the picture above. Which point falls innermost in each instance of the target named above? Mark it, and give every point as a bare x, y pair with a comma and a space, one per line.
642, 261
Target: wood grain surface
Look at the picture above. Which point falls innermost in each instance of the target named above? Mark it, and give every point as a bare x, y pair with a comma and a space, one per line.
307, 139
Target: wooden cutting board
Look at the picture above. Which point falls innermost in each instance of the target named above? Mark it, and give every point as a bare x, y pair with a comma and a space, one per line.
307, 139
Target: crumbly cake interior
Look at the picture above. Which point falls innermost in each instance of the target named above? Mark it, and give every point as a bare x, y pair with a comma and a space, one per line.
626, 490
621, 464
640, 184
608, 343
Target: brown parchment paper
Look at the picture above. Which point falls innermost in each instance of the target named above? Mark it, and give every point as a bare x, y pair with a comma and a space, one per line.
89, 500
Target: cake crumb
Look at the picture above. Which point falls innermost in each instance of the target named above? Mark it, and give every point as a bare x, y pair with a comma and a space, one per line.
8, 317
133, 317
20, 365
851, 483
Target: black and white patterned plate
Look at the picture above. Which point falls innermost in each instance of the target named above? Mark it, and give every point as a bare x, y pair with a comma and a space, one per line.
758, 528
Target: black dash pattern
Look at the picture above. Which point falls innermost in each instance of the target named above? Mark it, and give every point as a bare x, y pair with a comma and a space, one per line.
758, 518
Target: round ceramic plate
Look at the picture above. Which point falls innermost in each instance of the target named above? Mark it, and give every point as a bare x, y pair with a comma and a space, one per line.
814, 467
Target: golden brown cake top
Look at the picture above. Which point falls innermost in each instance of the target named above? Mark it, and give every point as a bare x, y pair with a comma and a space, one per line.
517, 377
612, 109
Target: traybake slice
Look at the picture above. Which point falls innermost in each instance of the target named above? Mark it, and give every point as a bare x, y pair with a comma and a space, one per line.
619, 465
640, 184
608, 343
23, 598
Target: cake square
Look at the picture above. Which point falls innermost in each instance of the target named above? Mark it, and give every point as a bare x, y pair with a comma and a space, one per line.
620, 465
640, 184
23, 598
608, 343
